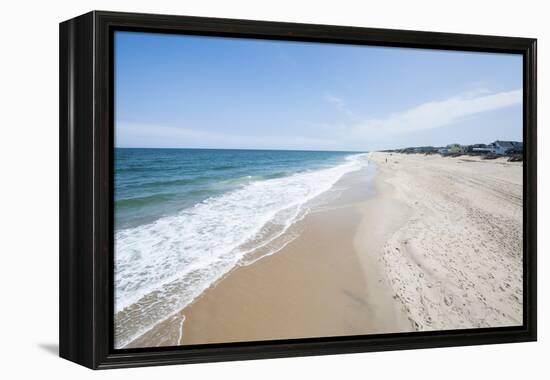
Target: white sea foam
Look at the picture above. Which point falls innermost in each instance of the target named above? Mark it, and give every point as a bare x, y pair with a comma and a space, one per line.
163, 266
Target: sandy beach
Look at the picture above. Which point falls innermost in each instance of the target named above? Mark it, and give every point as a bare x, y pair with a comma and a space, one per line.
457, 262
410, 243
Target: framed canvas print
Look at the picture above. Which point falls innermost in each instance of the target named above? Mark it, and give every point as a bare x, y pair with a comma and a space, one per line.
236, 189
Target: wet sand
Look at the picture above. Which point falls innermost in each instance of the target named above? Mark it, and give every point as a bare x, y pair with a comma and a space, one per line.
327, 282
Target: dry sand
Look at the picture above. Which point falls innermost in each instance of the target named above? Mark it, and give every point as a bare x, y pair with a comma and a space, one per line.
457, 262
430, 243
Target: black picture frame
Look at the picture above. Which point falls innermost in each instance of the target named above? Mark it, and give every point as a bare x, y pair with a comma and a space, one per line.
86, 189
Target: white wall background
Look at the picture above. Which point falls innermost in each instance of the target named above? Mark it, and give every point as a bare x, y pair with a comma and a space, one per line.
29, 191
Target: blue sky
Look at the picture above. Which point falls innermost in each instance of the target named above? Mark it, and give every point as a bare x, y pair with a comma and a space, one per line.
207, 92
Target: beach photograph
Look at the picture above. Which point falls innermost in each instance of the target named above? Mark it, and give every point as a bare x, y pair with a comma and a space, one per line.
274, 190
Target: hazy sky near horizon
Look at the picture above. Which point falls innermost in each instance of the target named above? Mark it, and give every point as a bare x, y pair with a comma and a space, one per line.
205, 92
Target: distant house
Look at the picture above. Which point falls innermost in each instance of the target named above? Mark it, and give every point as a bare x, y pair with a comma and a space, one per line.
518, 148
503, 147
454, 148
479, 148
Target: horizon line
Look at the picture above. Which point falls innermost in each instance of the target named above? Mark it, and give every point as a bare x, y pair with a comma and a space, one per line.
313, 150
276, 149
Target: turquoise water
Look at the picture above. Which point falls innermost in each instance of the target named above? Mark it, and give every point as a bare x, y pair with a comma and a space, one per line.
186, 217
151, 183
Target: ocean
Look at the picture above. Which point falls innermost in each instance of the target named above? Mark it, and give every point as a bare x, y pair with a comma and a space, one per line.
186, 217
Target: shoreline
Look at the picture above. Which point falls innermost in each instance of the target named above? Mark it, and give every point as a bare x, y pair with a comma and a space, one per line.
394, 251
165, 265
315, 286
